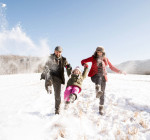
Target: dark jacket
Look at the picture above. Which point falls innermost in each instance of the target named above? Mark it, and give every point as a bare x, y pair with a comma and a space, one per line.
76, 80
56, 67
94, 68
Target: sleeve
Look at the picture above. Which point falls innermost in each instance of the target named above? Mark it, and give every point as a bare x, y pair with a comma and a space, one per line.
86, 60
45, 70
113, 68
85, 72
67, 66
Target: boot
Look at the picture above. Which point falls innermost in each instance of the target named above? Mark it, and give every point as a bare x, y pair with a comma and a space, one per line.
101, 111
99, 93
57, 111
73, 97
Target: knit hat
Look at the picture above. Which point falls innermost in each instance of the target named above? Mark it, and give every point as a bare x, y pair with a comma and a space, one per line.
58, 48
101, 49
77, 68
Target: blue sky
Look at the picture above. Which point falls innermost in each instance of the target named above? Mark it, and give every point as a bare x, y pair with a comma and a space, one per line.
79, 26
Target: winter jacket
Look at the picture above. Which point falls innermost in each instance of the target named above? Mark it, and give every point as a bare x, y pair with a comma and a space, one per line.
94, 68
57, 69
76, 80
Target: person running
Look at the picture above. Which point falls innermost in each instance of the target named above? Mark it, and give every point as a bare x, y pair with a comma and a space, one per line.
98, 73
54, 74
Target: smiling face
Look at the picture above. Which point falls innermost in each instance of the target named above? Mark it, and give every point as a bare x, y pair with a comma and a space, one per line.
77, 72
99, 53
58, 53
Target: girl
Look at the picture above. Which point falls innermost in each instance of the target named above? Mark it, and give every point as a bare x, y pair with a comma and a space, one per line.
98, 73
74, 85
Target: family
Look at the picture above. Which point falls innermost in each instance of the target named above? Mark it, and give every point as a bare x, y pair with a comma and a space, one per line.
55, 65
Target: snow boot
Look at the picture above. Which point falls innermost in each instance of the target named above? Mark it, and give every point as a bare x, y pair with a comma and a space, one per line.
101, 111
73, 97
57, 112
99, 93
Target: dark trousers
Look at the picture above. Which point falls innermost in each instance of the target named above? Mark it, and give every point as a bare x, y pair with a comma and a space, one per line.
100, 80
57, 89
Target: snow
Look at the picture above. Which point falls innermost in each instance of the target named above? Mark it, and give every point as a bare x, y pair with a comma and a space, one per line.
27, 111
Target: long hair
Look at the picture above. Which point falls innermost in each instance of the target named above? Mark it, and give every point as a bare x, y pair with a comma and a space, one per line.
96, 56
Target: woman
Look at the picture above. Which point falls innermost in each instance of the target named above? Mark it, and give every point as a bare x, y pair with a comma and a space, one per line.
98, 73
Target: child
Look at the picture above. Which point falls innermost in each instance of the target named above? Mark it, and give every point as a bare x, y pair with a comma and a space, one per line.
74, 85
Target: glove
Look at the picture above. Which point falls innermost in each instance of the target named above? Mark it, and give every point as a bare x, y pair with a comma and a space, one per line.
85, 65
42, 76
68, 67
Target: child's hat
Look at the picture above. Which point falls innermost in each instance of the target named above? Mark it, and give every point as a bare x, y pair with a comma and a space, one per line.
77, 68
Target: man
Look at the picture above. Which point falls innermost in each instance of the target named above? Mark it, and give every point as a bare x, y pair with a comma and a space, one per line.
54, 74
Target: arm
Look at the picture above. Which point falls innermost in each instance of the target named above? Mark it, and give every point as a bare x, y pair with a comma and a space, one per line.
85, 72
113, 68
86, 60
68, 67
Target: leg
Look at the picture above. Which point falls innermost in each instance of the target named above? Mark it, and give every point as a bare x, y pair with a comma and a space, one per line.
101, 106
67, 93
57, 89
103, 85
48, 86
48, 83
97, 79
75, 91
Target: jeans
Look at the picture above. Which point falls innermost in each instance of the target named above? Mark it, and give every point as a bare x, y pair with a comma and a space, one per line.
100, 80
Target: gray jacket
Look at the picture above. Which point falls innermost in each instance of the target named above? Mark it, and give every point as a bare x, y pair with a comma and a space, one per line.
56, 66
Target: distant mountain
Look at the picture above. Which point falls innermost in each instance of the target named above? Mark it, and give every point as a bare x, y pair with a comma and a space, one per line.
13, 64
136, 67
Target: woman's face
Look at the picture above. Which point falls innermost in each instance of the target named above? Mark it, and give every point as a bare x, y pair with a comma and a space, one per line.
99, 53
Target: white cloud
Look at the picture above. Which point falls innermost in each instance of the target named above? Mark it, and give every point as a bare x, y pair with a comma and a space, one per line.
3, 5
15, 41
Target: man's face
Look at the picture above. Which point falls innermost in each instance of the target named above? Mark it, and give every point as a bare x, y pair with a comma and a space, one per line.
58, 54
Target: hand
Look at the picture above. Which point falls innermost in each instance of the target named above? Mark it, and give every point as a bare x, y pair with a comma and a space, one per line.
85, 65
42, 76
68, 66
123, 72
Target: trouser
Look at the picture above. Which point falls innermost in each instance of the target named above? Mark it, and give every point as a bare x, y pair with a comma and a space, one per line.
70, 90
100, 80
57, 91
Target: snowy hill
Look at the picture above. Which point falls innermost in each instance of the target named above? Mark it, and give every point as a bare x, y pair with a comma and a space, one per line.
136, 67
27, 111
13, 64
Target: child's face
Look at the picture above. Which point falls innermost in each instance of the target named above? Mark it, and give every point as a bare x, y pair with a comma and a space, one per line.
76, 72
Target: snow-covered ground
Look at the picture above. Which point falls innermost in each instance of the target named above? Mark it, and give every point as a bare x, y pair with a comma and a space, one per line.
27, 111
